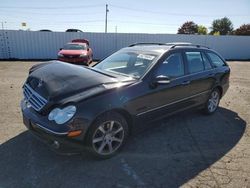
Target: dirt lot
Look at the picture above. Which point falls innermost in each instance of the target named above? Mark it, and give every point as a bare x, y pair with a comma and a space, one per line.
188, 149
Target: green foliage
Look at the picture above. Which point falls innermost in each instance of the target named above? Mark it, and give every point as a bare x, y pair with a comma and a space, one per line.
223, 25
188, 28
217, 33
243, 30
202, 30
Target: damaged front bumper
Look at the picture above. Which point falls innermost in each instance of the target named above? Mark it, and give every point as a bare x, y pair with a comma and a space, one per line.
56, 138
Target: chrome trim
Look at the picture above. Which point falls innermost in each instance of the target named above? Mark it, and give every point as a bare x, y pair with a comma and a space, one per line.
172, 103
46, 129
37, 101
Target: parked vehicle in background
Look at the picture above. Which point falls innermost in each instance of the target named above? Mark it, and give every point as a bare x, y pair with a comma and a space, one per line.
45, 30
98, 107
77, 51
74, 30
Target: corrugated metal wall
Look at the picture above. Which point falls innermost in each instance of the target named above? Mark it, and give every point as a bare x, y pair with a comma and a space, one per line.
45, 45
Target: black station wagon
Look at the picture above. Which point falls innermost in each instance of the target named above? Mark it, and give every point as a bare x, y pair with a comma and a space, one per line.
73, 107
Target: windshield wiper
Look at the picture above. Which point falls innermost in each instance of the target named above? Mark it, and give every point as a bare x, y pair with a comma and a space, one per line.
101, 72
126, 75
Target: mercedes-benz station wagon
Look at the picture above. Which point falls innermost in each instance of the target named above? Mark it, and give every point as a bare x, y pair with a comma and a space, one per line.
73, 107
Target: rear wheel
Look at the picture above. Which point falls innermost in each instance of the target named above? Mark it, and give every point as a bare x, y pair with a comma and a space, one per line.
107, 135
213, 102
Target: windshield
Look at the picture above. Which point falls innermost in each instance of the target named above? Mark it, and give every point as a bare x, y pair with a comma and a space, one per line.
127, 63
74, 47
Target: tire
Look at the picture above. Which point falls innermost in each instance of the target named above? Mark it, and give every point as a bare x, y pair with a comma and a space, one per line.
213, 102
107, 135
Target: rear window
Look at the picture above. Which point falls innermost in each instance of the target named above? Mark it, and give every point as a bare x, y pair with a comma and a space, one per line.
216, 60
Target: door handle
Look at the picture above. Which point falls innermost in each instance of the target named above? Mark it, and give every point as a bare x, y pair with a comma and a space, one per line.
185, 82
211, 74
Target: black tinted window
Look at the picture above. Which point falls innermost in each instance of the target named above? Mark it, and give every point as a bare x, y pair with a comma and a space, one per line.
206, 61
195, 63
172, 66
216, 60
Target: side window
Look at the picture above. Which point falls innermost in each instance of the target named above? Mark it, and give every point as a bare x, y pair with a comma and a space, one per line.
195, 63
206, 61
216, 60
172, 67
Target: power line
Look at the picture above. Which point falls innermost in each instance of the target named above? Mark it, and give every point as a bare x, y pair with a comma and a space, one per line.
148, 23
169, 13
53, 13
57, 7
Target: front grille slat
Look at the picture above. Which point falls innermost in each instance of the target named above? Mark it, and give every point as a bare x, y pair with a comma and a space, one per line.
25, 93
39, 99
36, 101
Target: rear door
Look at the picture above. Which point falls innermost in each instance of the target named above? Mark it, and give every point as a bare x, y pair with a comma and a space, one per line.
200, 75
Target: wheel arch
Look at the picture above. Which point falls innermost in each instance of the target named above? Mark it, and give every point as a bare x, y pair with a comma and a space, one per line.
220, 90
122, 112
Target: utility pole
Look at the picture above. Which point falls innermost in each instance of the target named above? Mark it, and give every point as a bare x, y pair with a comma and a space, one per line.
3, 25
106, 18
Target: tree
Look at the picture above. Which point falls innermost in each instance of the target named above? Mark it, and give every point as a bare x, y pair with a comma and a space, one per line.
243, 30
188, 28
223, 25
202, 30
217, 33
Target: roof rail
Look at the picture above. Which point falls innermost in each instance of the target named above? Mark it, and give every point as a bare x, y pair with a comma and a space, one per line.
187, 44
146, 43
172, 44
178, 43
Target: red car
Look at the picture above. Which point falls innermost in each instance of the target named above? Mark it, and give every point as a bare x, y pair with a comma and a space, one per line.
77, 52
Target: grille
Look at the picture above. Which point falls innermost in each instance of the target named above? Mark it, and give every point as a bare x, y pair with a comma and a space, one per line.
36, 101
71, 56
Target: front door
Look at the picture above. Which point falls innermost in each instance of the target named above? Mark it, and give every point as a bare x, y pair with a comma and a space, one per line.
162, 99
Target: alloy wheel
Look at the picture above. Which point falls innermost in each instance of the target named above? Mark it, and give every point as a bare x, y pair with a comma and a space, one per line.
108, 137
213, 101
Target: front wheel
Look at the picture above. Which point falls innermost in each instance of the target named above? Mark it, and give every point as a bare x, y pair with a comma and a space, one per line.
213, 102
107, 135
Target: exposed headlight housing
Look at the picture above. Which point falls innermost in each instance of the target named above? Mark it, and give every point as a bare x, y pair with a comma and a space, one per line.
60, 55
61, 116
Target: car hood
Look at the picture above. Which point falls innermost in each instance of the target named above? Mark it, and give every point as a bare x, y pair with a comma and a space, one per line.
72, 52
57, 81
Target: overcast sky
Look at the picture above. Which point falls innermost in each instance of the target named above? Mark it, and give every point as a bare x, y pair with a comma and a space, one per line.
130, 16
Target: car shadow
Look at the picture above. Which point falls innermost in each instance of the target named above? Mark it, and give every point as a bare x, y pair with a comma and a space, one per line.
176, 150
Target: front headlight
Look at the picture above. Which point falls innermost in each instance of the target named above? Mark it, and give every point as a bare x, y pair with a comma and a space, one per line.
60, 55
83, 55
61, 116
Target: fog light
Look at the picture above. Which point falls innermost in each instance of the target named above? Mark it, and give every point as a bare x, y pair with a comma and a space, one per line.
56, 144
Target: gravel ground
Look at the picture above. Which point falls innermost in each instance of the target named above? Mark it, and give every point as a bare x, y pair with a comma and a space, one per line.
187, 150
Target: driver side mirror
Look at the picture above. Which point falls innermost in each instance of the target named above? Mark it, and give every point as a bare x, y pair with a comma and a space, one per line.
160, 80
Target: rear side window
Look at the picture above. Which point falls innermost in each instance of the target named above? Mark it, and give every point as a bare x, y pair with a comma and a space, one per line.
195, 63
216, 60
172, 67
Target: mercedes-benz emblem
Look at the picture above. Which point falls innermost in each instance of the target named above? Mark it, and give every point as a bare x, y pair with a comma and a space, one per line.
40, 83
